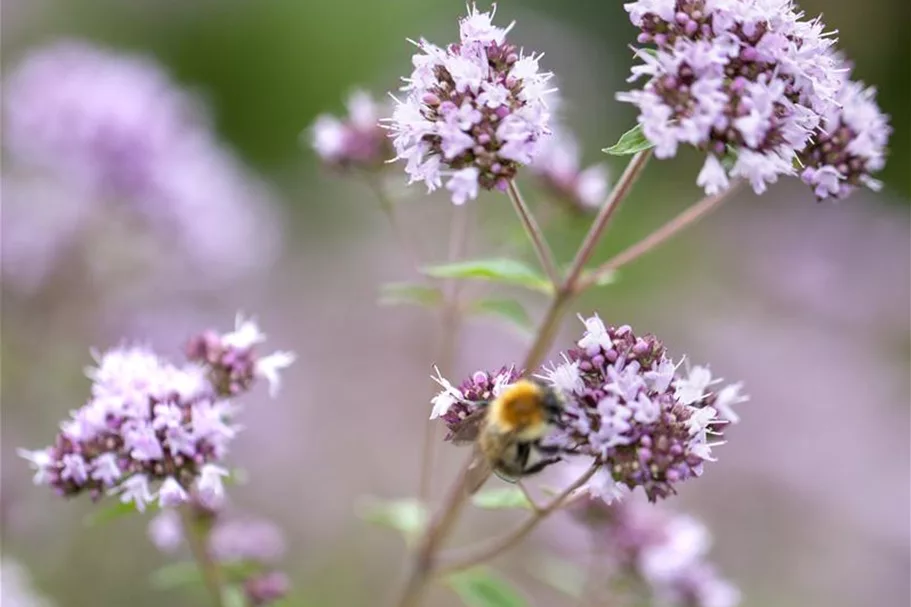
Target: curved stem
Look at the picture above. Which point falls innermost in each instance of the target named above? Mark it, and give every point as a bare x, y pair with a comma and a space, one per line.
197, 540
617, 195
499, 545
535, 234
673, 227
437, 531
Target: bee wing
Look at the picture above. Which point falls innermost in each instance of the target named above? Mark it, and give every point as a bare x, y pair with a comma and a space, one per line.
466, 432
478, 472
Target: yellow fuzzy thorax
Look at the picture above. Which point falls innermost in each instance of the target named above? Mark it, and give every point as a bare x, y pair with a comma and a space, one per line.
520, 409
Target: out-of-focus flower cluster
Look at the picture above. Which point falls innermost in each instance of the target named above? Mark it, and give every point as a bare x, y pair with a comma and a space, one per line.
665, 550
248, 550
848, 146
753, 85
357, 140
474, 111
115, 147
154, 430
625, 405
16, 587
557, 165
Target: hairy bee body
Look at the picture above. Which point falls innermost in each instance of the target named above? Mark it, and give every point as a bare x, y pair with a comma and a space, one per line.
507, 433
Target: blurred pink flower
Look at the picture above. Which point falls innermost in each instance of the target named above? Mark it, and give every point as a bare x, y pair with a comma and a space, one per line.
128, 148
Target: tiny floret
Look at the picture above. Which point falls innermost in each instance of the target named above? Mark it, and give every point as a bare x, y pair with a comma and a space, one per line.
473, 112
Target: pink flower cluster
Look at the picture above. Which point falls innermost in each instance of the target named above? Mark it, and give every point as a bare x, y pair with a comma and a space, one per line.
753, 84
474, 112
152, 430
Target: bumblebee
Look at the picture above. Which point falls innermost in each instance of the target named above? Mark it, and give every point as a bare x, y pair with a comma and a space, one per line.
506, 433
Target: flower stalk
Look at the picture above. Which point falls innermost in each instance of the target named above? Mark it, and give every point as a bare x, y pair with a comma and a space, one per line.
534, 232
670, 229
197, 540
502, 544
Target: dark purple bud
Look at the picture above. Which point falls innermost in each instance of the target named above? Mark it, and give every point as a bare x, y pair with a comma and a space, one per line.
266, 588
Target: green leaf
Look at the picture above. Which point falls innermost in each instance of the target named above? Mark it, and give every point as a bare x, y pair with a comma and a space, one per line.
481, 588
176, 575
115, 510
506, 309
409, 293
233, 596
501, 499
407, 516
631, 142
499, 270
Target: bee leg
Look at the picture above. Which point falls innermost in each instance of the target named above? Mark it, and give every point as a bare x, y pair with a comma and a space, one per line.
548, 449
539, 465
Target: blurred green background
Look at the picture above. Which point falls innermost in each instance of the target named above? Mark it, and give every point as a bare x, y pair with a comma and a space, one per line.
808, 303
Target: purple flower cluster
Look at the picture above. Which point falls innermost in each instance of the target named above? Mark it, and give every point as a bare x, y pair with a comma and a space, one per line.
474, 111
249, 549
627, 405
557, 166
747, 81
357, 141
154, 430
848, 146
129, 151
667, 551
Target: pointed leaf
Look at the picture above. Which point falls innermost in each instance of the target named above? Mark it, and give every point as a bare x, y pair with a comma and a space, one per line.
176, 575
234, 596
506, 309
498, 270
482, 588
408, 293
407, 516
501, 498
631, 142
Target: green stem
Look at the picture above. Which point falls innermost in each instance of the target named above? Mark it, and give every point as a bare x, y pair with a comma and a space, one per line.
197, 539
534, 232
670, 229
504, 543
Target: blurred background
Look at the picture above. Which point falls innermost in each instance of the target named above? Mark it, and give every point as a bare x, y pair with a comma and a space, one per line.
807, 303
